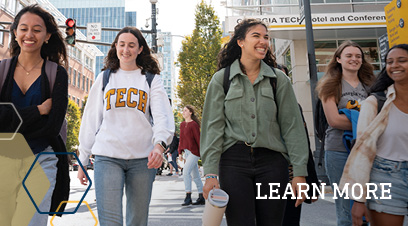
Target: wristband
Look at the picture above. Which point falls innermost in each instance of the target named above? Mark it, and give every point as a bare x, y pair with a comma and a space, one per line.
211, 176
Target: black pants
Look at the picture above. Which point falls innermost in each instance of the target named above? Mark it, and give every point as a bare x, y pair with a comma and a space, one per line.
240, 170
292, 213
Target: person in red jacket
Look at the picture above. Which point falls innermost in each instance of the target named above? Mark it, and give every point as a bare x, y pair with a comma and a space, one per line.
190, 144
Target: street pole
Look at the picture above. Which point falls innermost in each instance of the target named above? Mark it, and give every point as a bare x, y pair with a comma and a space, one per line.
154, 30
313, 77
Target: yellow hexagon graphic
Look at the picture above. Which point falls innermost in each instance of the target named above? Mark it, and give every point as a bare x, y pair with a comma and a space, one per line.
16, 159
86, 203
10, 136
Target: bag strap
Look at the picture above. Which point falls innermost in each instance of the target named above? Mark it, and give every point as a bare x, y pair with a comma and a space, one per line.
149, 79
381, 98
4, 68
227, 82
106, 75
51, 72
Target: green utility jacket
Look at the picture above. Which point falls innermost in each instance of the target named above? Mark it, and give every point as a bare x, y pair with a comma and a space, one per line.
248, 113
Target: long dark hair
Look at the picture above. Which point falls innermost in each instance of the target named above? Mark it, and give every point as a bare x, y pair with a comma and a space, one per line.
55, 50
383, 79
231, 51
193, 115
330, 84
144, 60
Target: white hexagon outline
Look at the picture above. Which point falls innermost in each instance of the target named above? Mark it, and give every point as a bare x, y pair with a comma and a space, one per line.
18, 127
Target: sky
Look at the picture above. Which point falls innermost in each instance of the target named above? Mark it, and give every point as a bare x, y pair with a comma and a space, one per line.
175, 16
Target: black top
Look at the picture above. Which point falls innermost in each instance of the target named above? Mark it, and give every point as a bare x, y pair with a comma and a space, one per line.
45, 126
35, 125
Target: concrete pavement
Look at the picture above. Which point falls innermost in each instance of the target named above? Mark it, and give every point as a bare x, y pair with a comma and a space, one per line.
166, 210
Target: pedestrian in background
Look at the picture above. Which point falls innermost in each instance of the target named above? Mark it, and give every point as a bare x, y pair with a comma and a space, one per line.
35, 42
248, 131
347, 78
116, 128
190, 145
172, 152
380, 153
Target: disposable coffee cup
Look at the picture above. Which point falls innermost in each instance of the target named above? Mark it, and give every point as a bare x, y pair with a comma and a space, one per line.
215, 207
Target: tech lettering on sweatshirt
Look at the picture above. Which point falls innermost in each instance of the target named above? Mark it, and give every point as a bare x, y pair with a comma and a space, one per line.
125, 97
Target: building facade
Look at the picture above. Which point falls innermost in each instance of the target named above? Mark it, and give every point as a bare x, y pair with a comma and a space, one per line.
111, 14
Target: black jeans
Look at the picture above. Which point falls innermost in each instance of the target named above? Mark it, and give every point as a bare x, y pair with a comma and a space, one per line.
240, 170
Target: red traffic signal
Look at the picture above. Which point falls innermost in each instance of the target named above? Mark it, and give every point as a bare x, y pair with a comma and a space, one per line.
70, 31
70, 22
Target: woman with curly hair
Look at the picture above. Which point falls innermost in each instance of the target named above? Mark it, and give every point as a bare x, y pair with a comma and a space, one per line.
249, 133
117, 128
347, 79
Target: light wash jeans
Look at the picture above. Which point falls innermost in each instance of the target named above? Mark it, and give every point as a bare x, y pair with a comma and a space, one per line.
16, 207
334, 163
111, 177
190, 170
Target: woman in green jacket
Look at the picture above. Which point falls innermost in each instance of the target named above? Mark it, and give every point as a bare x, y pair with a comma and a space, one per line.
249, 133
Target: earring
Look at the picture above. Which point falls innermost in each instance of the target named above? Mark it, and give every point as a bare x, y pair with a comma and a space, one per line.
15, 39
46, 41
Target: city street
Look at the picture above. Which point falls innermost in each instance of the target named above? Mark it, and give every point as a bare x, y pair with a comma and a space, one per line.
166, 209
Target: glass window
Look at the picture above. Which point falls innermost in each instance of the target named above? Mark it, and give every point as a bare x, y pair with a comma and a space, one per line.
87, 84
2, 35
74, 79
79, 79
83, 82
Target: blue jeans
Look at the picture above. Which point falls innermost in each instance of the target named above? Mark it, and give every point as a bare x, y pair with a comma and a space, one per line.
174, 161
190, 170
111, 177
334, 164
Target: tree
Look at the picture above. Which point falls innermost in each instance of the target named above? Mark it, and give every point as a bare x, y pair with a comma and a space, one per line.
73, 124
198, 58
83, 105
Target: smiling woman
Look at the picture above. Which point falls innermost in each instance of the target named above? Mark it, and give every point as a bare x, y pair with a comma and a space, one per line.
347, 78
36, 44
380, 153
117, 129
246, 132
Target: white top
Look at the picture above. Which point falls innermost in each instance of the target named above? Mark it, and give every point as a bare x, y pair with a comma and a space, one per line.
393, 143
116, 122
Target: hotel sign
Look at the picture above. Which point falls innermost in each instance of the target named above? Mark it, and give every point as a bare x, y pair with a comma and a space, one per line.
320, 21
397, 19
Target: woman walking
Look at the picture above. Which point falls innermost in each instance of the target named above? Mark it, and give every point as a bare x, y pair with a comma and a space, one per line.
190, 145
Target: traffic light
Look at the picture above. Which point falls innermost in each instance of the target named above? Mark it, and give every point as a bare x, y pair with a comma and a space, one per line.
70, 31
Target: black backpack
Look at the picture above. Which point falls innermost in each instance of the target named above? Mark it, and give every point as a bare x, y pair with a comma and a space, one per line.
149, 79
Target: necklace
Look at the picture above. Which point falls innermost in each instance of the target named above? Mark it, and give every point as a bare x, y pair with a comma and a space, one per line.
28, 71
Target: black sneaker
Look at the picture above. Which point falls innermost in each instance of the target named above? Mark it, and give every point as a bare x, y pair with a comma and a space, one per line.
169, 174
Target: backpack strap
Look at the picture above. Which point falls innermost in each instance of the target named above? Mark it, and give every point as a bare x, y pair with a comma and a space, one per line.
149, 79
51, 72
4, 68
381, 98
106, 75
227, 81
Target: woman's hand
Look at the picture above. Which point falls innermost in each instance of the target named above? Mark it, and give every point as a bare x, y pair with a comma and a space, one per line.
297, 183
210, 183
155, 158
45, 107
82, 176
359, 210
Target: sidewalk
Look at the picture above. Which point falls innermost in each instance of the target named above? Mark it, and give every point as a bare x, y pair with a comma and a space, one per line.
166, 210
